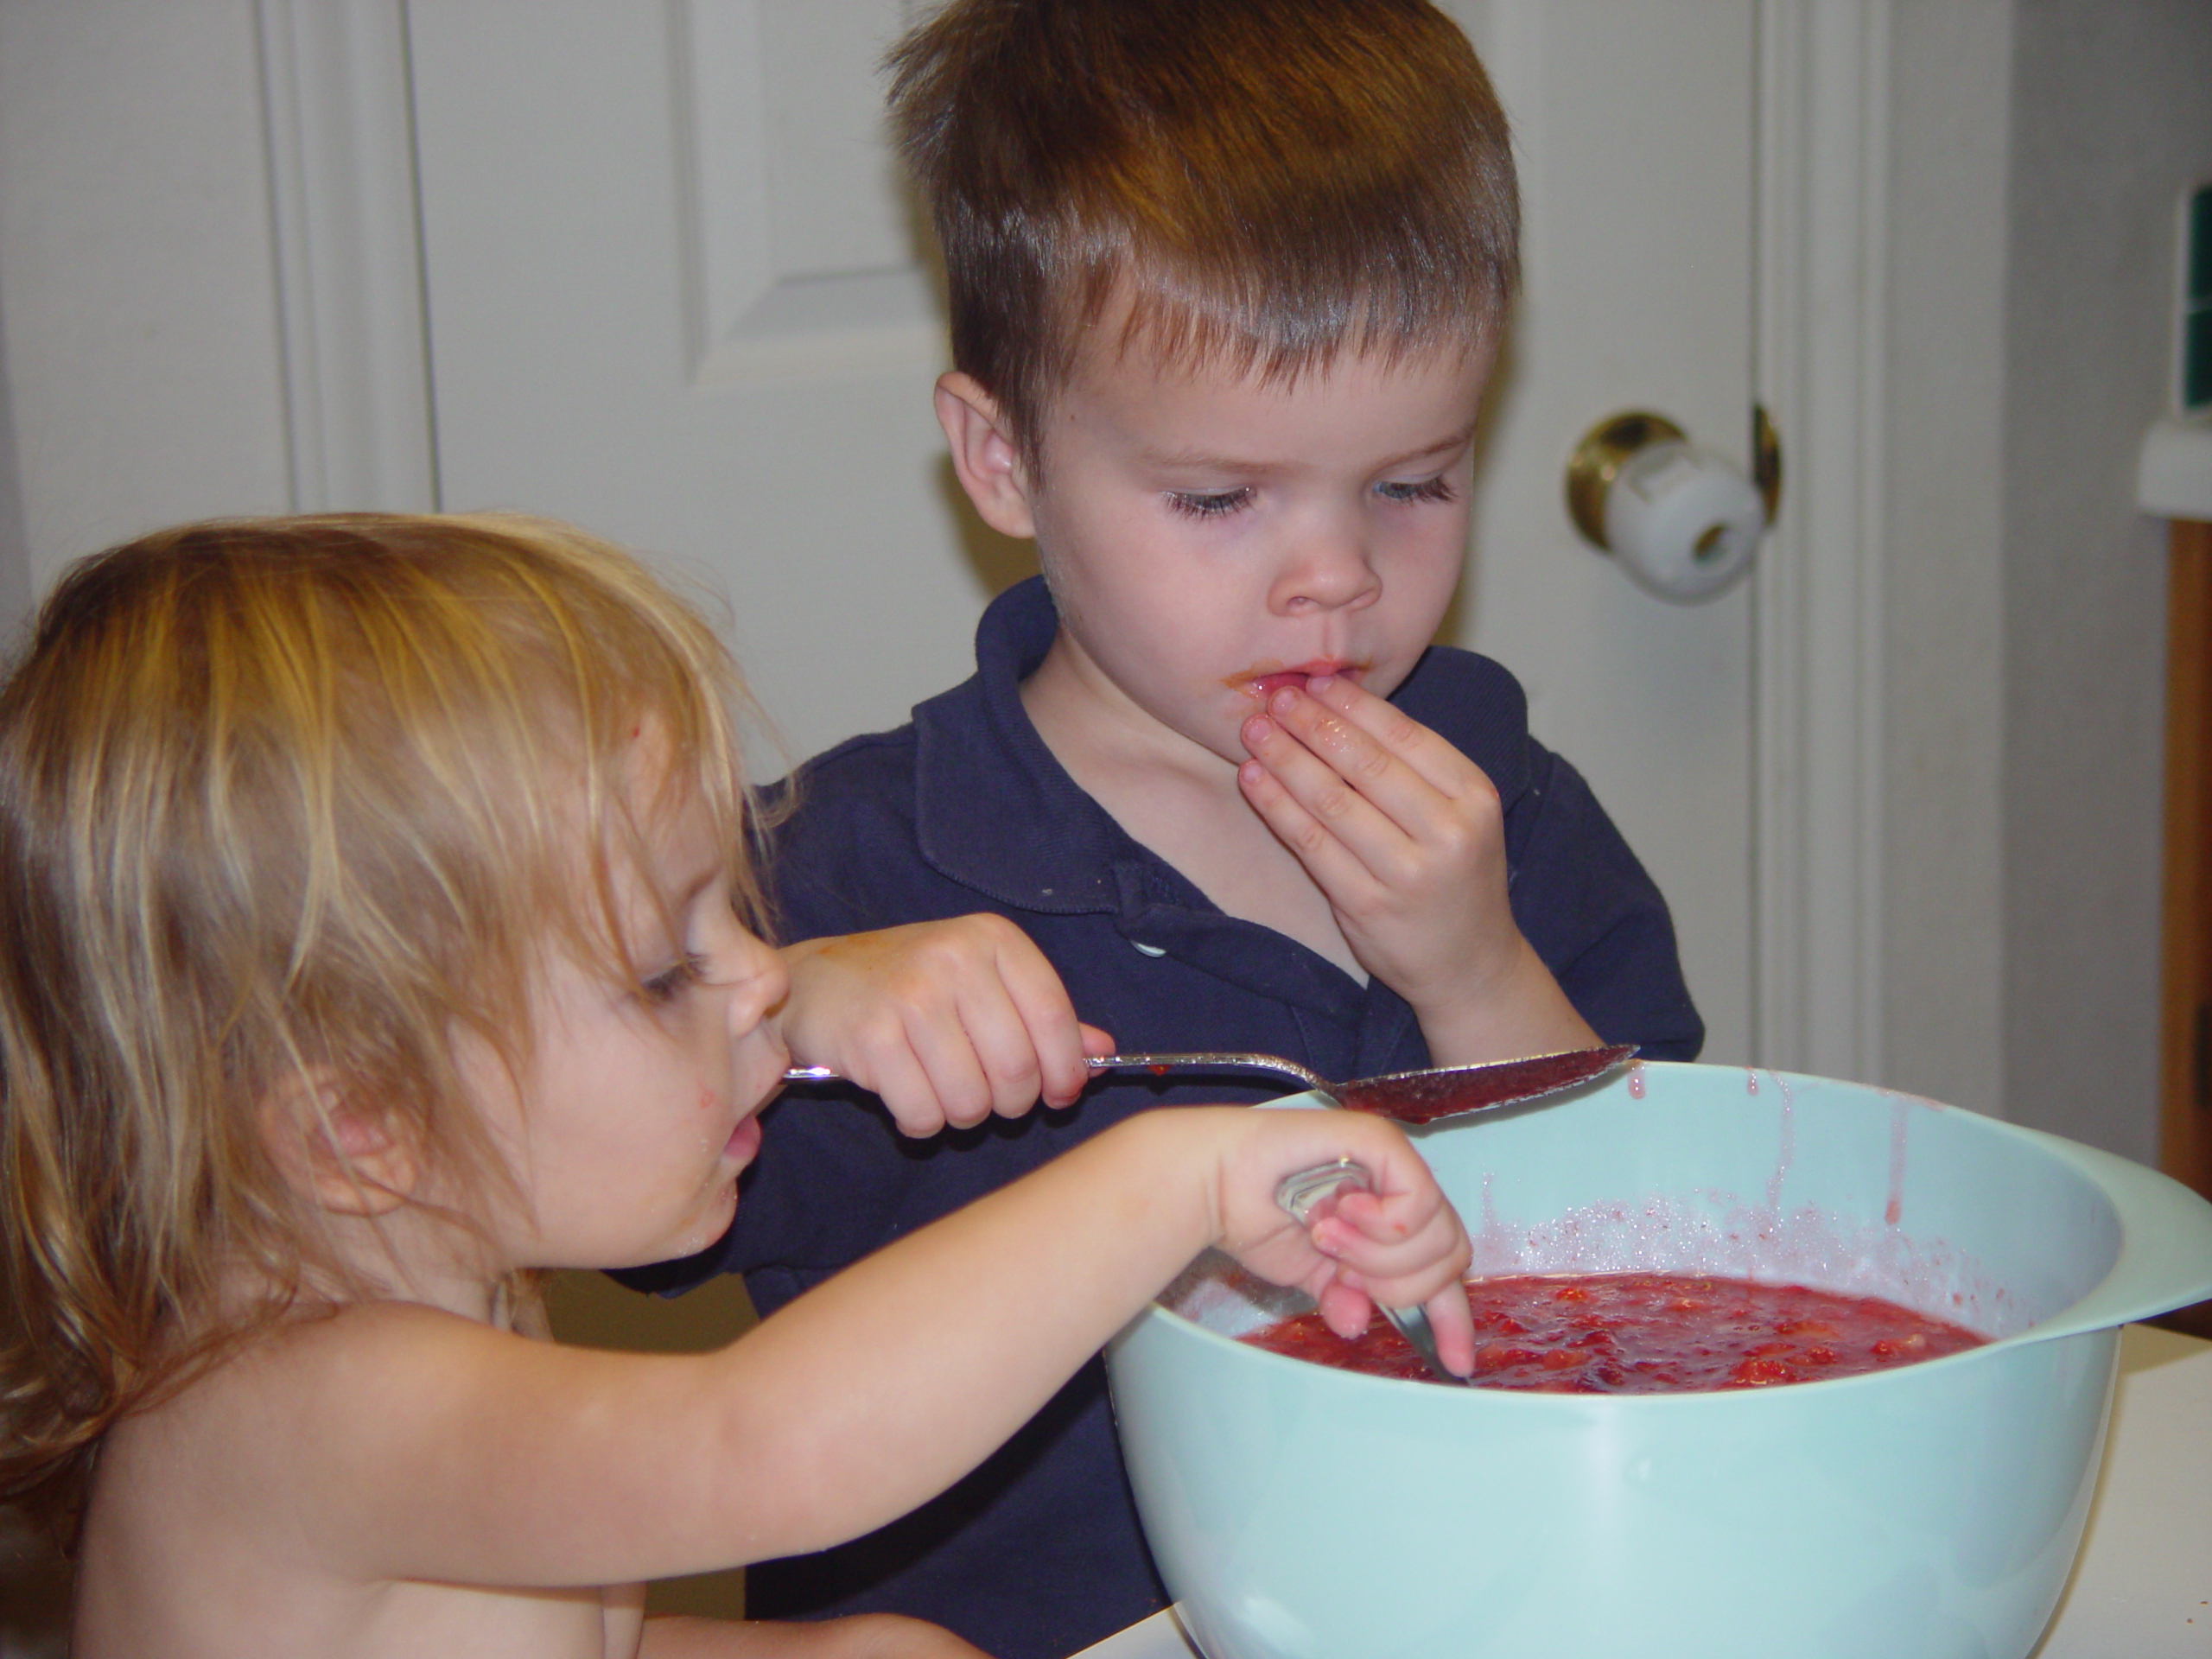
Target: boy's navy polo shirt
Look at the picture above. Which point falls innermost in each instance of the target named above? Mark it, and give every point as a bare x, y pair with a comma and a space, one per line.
1038, 1553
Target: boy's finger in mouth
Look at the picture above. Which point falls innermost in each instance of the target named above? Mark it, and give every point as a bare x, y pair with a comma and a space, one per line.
1261, 681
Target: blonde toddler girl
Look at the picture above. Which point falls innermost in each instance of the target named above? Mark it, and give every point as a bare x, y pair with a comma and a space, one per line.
380, 932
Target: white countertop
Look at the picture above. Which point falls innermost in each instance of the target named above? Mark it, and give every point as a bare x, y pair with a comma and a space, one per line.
2142, 1586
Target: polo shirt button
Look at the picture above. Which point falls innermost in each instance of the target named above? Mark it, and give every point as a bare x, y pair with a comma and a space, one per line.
1149, 950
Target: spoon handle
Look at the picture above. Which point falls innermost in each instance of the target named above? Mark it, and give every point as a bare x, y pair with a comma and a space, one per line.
1273, 1064
1155, 1062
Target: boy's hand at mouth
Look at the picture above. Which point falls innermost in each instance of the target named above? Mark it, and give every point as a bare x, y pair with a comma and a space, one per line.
946, 1021
1406, 838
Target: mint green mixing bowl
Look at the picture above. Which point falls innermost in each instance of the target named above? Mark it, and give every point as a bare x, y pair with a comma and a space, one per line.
1930, 1512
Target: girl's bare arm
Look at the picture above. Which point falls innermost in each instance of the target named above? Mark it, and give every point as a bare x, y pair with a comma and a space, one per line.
865, 1636
399, 1442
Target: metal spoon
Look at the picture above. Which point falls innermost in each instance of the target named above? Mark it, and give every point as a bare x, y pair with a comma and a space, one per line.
1402, 1097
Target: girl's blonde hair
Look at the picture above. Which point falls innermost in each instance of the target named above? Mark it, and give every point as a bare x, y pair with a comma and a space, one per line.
281, 799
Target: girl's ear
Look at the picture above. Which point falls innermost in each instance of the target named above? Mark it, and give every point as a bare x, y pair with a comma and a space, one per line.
352, 1160
985, 457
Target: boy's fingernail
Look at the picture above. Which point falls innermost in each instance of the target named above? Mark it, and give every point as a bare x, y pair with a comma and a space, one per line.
1284, 701
1255, 730
1320, 682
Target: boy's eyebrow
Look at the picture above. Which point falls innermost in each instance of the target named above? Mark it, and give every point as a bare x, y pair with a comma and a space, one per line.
1200, 460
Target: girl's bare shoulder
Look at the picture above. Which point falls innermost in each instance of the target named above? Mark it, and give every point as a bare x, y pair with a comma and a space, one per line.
284, 1409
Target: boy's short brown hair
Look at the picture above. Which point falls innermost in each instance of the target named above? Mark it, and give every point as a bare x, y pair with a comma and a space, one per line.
1255, 183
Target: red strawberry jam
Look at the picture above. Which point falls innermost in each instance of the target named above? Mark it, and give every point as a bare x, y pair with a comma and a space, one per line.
1646, 1333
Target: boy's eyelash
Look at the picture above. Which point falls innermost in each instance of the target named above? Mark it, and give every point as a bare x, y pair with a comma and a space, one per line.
686, 971
1429, 489
1202, 505
1218, 503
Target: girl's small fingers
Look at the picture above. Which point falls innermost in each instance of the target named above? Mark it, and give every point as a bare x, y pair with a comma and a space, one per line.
1058, 1043
1453, 1324
1006, 1047
1344, 1309
955, 1071
896, 1077
1408, 1245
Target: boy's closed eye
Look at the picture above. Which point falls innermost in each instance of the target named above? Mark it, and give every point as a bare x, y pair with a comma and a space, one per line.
1438, 488
1215, 503
1212, 504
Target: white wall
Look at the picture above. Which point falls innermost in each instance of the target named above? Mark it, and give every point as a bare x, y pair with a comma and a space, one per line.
15, 555
1950, 87
137, 285
2113, 116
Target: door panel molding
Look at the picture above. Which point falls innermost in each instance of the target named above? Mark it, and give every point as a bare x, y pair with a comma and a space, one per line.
349, 279
803, 241
1822, 243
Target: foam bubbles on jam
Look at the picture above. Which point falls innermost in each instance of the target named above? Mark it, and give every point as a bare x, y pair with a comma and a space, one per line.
1646, 1333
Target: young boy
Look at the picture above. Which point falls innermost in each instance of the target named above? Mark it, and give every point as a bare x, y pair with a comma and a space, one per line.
1227, 278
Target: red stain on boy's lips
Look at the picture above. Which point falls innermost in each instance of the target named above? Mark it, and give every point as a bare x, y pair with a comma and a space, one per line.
1260, 681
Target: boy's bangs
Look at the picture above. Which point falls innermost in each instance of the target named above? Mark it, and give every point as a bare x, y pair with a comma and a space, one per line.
1243, 320
1258, 186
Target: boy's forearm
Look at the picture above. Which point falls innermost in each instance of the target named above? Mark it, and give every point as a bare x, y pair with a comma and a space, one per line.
1519, 1012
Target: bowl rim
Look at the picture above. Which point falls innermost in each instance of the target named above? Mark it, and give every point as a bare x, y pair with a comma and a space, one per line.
2164, 1260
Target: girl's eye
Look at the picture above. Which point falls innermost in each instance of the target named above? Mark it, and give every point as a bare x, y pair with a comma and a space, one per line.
1203, 505
678, 976
1429, 489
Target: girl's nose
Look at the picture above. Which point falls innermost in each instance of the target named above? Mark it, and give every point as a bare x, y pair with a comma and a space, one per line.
762, 985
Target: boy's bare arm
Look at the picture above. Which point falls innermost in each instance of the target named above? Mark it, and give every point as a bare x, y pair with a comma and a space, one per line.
1405, 836
393, 1441
946, 1021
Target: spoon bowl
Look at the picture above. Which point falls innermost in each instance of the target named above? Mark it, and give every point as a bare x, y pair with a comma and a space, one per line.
1411, 1097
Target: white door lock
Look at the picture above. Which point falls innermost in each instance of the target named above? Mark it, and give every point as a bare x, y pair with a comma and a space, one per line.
1681, 520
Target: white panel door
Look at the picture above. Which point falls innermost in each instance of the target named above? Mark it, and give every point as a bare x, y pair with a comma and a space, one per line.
1634, 128
674, 293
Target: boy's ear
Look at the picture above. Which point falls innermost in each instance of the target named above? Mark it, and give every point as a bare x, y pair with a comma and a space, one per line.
984, 454
351, 1158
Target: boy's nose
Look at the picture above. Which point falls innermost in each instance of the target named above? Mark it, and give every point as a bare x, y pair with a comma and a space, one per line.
1329, 571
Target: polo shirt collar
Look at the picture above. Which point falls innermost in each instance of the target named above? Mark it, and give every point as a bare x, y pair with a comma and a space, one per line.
994, 808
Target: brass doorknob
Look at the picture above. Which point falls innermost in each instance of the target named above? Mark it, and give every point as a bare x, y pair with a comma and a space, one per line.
1681, 520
